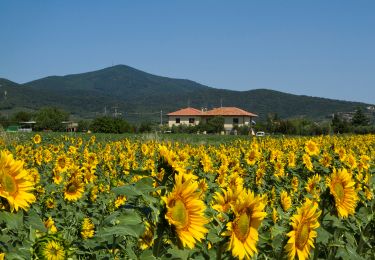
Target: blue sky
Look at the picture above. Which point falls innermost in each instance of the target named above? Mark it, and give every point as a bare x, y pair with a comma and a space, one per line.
319, 48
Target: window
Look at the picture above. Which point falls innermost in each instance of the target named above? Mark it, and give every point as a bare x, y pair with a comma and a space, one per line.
235, 121
191, 120
177, 120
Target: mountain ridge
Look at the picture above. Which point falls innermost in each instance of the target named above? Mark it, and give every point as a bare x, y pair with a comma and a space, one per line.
136, 92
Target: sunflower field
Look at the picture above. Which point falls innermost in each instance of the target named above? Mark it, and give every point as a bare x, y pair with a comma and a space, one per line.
77, 197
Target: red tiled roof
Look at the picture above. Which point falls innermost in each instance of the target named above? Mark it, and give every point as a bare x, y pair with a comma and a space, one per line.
221, 111
228, 111
189, 111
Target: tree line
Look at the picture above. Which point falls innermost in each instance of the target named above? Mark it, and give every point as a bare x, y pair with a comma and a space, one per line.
51, 118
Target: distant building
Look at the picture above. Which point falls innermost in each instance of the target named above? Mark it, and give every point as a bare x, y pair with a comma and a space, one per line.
70, 126
233, 117
185, 116
347, 116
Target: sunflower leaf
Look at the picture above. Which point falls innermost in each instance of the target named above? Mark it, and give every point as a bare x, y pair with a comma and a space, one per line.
145, 185
323, 235
179, 253
34, 221
129, 217
12, 220
147, 255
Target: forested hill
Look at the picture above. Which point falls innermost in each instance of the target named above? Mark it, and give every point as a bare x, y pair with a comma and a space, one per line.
139, 95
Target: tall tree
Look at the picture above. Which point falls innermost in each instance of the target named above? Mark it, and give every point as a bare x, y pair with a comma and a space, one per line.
360, 118
51, 118
22, 116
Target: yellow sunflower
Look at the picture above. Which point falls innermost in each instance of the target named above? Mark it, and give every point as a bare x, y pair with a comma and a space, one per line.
307, 162
312, 186
243, 230
50, 225
342, 188
15, 184
311, 148
185, 211
53, 250
37, 139
62, 163
224, 200
252, 156
295, 183
285, 200
147, 238
275, 216
87, 230
120, 200
73, 190
304, 223
292, 160
326, 160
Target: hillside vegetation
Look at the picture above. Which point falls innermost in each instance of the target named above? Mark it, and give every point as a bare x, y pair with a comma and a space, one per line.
141, 96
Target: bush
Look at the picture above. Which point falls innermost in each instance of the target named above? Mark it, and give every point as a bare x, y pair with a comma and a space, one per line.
145, 127
84, 125
50, 118
214, 125
184, 129
111, 125
364, 130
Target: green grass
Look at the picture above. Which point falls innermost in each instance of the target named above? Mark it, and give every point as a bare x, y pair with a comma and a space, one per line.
182, 138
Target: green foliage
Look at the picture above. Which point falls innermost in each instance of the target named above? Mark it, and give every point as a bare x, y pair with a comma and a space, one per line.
84, 125
22, 116
359, 118
340, 125
213, 125
50, 118
297, 126
110, 125
145, 127
4, 121
187, 129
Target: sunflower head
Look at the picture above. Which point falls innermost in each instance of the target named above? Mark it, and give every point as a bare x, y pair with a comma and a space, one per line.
37, 139
311, 148
285, 200
342, 187
50, 247
15, 184
50, 225
304, 223
87, 230
243, 230
185, 211
73, 190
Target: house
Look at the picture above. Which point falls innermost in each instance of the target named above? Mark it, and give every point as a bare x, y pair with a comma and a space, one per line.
233, 117
70, 126
185, 116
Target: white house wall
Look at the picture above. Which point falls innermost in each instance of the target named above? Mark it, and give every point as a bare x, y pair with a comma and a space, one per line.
228, 121
184, 120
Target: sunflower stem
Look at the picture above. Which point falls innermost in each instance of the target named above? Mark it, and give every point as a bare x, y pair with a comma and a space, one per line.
218, 251
316, 251
114, 244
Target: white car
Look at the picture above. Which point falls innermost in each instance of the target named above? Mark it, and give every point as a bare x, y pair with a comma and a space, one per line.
260, 134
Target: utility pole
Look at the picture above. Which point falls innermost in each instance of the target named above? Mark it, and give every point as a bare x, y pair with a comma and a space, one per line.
161, 117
